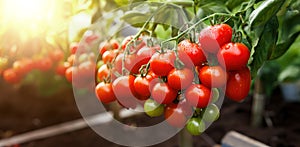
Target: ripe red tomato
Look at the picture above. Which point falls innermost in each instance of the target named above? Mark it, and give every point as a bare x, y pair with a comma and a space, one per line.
144, 55
162, 63
69, 73
154, 79
118, 63
134, 46
104, 92
212, 76
22, 66
108, 56
11, 76
146, 52
233, 56
141, 85
179, 79
73, 47
214, 37
163, 94
89, 38
198, 95
114, 74
56, 55
61, 68
174, 115
108, 45
190, 54
86, 69
44, 64
186, 107
103, 72
131, 64
238, 84
124, 91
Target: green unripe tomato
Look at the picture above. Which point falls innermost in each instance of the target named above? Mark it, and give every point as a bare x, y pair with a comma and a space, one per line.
211, 113
195, 126
215, 94
99, 64
152, 108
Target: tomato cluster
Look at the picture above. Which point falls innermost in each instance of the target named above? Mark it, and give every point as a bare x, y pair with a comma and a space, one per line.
82, 68
181, 84
22, 67
231, 56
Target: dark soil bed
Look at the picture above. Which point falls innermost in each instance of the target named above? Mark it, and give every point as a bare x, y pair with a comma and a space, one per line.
23, 110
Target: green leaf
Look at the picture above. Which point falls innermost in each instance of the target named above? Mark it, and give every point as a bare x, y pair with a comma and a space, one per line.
264, 12
172, 16
162, 33
258, 20
138, 15
204, 2
291, 73
259, 17
239, 5
135, 19
213, 7
265, 45
283, 47
293, 53
289, 29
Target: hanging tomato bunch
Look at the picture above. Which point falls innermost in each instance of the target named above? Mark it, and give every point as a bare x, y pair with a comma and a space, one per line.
184, 56
178, 83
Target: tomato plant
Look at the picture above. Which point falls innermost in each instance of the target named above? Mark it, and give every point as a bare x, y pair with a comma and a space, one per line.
183, 56
178, 57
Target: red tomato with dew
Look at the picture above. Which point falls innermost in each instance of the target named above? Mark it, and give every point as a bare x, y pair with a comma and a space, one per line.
104, 92
212, 38
212, 76
233, 56
191, 54
179, 79
198, 95
238, 84
162, 63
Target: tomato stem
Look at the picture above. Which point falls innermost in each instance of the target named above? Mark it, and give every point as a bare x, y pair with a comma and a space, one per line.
178, 63
136, 36
176, 38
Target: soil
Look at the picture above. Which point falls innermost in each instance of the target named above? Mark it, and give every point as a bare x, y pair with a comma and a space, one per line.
22, 109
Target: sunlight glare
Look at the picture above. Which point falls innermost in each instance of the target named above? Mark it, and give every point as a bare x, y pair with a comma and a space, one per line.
31, 17
24, 10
